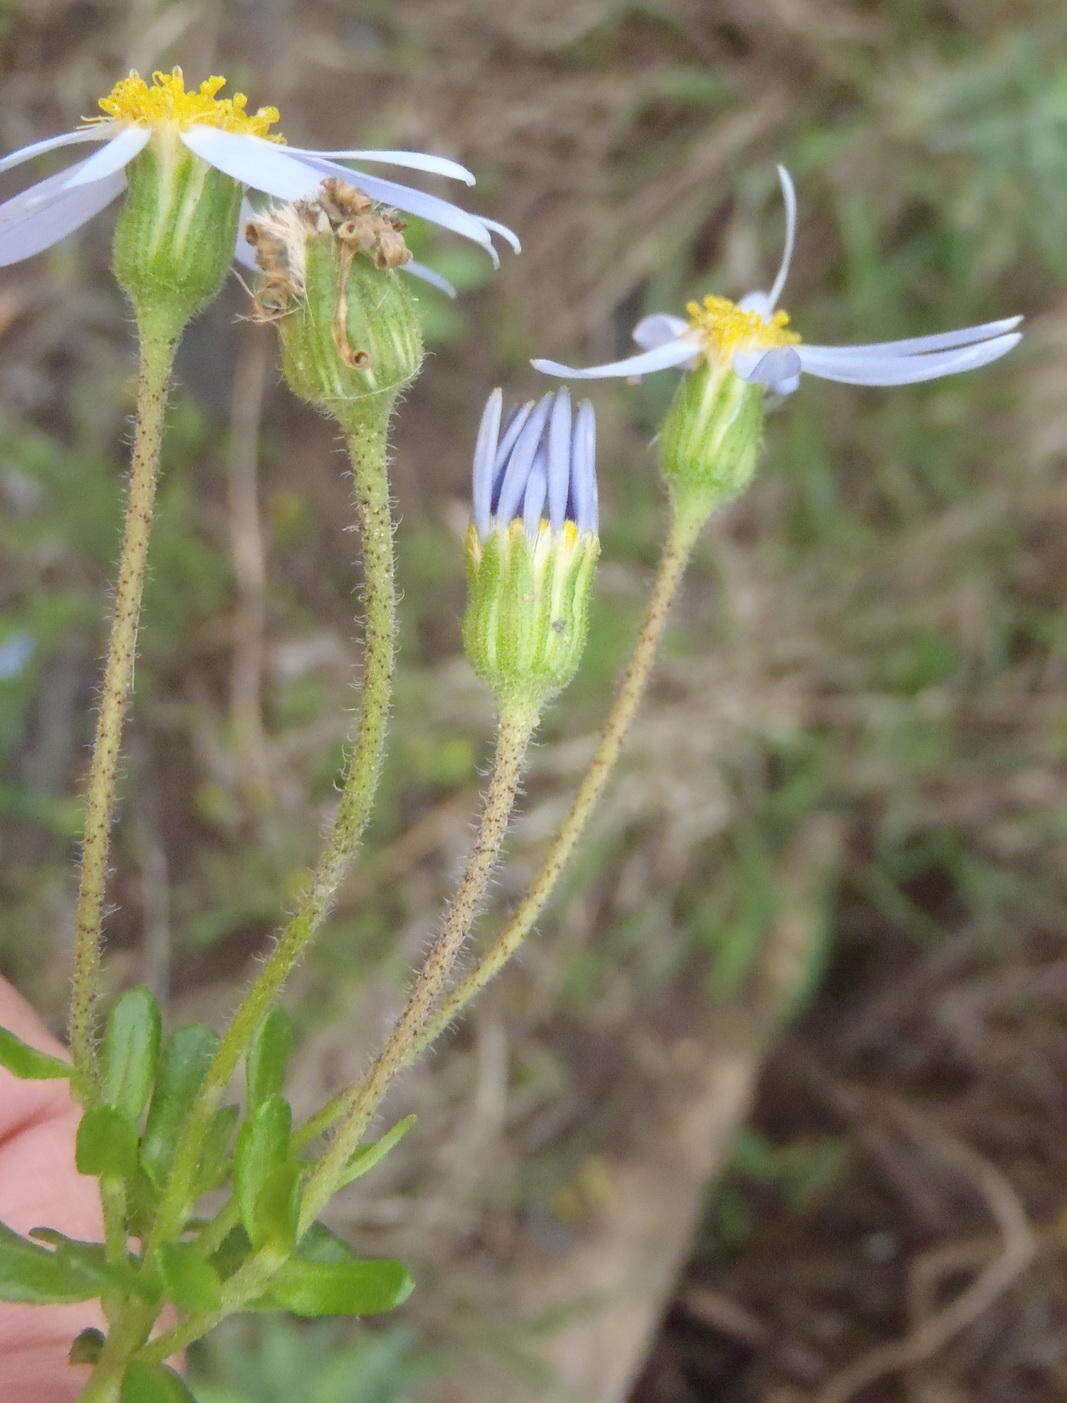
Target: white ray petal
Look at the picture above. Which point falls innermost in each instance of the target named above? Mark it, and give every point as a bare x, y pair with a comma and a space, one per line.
768, 367
913, 345
908, 370
658, 329
508, 235
789, 195
260, 164
411, 160
40, 217
416, 202
428, 275
115, 156
659, 358
103, 132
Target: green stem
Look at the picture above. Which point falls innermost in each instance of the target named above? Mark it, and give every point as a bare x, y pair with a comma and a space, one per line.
678, 547
366, 441
684, 529
158, 343
516, 726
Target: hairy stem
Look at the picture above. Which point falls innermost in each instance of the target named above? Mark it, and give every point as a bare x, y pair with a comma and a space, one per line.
675, 556
367, 447
516, 726
158, 343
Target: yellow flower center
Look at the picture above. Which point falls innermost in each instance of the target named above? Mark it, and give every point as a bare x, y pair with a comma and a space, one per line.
725, 328
165, 100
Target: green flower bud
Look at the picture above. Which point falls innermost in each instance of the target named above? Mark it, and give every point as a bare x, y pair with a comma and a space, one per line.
175, 234
350, 332
709, 442
532, 547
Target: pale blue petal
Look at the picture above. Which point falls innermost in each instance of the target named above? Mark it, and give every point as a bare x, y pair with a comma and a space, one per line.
908, 370
533, 502
411, 160
659, 358
115, 156
559, 458
768, 366
261, 164
658, 329
427, 275
516, 475
913, 345
586, 510
484, 463
47, 212
103, 132
789, 195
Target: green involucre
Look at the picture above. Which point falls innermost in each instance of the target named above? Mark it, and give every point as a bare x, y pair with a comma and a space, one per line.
709, 442
527, 614
176, 232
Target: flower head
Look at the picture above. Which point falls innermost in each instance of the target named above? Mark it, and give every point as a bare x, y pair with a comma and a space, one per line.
754, 339
223, 134
532, 546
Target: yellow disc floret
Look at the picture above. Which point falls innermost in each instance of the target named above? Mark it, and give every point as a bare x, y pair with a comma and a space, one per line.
165, 100
725, 328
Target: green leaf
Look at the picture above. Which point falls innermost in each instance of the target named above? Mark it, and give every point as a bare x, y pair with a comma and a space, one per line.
262, 1149
277, 1208
340, 1288
268, 1057
365, 1158
190, 1282
182, 1069
217, 1154
34, 1275
106, 1144
131, 1051
143, 1383
26, 1062
89, 1259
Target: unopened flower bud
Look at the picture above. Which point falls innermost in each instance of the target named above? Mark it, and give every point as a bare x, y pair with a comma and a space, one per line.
350, 331
532, 546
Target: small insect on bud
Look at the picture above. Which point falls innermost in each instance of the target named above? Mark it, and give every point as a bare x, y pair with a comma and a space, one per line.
532, 546
350, 332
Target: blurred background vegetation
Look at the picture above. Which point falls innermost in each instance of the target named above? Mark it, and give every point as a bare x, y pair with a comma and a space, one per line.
772, 1109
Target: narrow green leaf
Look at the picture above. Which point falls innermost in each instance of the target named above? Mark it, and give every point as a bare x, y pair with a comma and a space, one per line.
277, 1208
106, 1144
217, 1154
268, 1057
367, 1156
340, 1288
144, 1383
131, 1051
182, 1068
262, 1147
89, 1260
26, 1062
36, 1276
190, 1282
